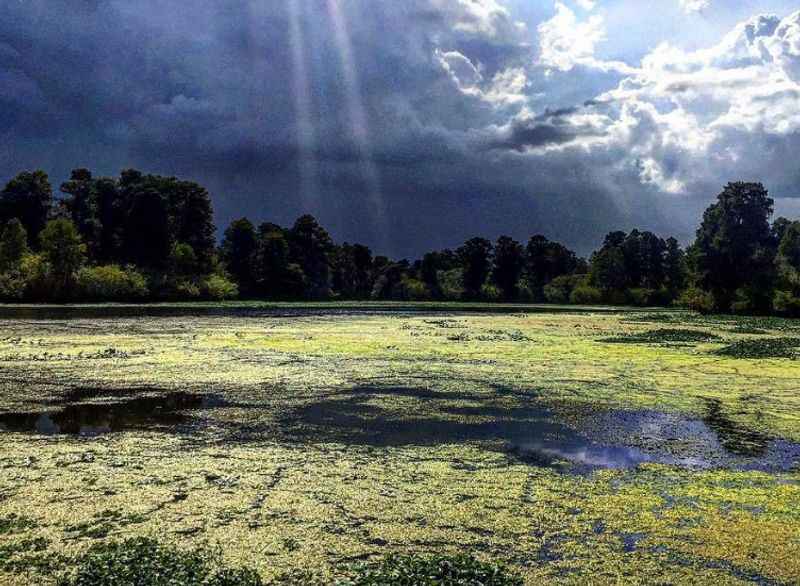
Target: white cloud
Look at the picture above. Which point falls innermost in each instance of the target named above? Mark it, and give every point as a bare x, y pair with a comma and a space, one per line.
682, 120
483, 18
692, 6
566, 42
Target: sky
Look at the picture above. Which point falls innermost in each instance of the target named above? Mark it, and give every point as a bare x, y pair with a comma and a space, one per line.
412, 125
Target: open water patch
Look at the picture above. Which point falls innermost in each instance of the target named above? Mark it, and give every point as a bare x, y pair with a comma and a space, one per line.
91, 412
576, 438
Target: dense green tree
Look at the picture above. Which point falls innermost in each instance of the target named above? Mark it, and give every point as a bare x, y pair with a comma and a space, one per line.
545, 261
183, 261
352, 268
311, 248
788, 258
13, 245
147, 241
607, 270
476, 259
779, 227
735, 248
111, 209
429, 273
674, 268
63, 249
276, 276
787, 263
239, 248
81, 207
29, 198
509, 261
192, 219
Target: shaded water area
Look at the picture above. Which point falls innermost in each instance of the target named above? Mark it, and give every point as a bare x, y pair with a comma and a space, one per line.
89, 412
580, 440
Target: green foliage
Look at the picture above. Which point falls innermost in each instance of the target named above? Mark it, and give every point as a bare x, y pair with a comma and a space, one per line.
560, 289
664, 336
697, 300
178, 288
735, 248
509, 260
787, 303
219, 288
111, 283
239, 248
147, 241
29, 198
12, 286
35, 272
451, 284
65, 253
352, 268
311, 248
276, 276
13, 245
545, 261
762, 348
183, 260
461, 570
644, 297
144, 562
586, 295
476, 260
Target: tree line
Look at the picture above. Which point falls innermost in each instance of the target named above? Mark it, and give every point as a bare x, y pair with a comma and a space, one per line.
147, 237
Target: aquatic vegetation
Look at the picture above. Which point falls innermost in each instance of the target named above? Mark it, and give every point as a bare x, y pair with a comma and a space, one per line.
762, 348
335, 437
664, 336
143, 561
432, 571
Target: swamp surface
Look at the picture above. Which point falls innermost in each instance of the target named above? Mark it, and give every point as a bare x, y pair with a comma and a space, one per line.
576, 445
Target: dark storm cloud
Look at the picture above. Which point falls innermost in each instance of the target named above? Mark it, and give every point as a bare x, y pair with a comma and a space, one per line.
552, 128
204, 89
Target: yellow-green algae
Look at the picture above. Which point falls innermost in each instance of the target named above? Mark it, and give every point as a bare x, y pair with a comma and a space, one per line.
278, 504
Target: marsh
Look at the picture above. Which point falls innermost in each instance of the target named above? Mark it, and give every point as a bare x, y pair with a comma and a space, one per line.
309, 436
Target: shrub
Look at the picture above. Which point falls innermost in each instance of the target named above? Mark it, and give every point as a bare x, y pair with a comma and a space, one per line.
787, 303
219, 288
12, 286
183, 260
35, 272
111, 283
586, 295
641, 297
414, 289
697, 300
560, 289
750, 300
451, 284
490, 292
432, 571
144, 562
176, 288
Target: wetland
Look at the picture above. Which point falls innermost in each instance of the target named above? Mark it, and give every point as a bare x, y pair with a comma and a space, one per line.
570, 444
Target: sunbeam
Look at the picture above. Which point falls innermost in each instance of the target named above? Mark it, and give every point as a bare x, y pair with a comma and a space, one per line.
355, 109
306, 132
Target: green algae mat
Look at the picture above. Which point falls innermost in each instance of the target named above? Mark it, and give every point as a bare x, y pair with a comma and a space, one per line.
575, 446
